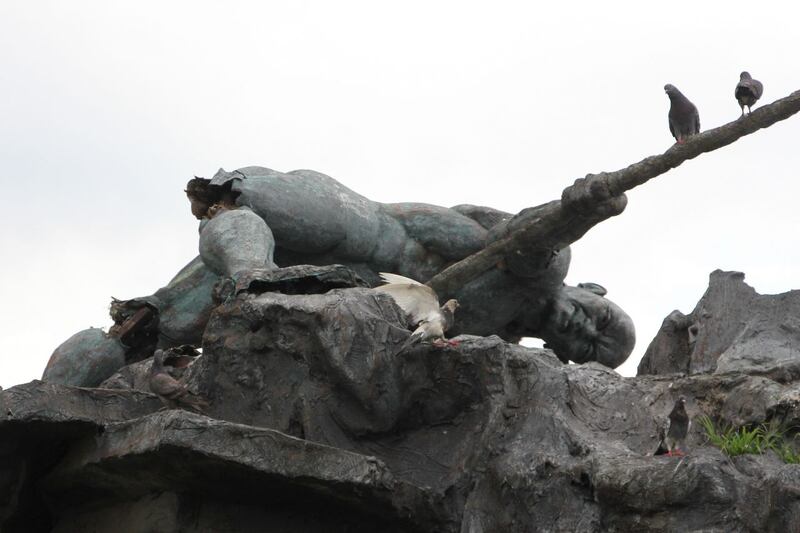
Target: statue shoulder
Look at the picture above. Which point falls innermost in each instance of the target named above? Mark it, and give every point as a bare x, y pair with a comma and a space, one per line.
488, 217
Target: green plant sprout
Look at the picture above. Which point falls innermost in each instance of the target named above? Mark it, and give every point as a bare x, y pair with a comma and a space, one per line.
753, 440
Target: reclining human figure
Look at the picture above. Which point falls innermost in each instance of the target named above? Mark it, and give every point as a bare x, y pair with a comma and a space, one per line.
310, 218
255, 218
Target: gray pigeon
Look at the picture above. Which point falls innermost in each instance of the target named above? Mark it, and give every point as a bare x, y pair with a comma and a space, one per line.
172, 393
748, 91
684, 120
674, 438
421, 306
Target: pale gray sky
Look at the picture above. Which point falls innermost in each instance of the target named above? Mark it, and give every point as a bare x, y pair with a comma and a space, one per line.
108, 108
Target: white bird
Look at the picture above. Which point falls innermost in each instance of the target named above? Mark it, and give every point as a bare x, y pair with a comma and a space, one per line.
421, 306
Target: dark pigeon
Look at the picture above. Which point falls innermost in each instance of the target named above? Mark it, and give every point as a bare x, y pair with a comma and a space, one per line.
684, 120
748, 91
674, 438
173, 393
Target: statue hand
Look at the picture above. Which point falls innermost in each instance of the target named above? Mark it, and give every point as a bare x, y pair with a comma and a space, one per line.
592, 195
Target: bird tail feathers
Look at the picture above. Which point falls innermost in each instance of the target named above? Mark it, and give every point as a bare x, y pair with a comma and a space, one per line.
194, 402
398, 279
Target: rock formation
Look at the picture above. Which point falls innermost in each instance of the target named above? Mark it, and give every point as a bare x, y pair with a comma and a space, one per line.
732, 328
317, 423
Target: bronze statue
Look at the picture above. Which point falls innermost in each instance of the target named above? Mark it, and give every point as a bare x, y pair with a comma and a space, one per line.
256, 218
313, 219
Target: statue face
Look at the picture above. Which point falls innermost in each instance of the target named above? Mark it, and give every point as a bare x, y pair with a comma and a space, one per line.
583, 326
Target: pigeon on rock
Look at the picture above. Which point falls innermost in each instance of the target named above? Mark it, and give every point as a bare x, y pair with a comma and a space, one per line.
172, 393
684, 120
748, 91
421, 306
674, 438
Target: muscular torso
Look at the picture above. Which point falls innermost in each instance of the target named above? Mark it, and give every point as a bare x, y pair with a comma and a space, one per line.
317, 220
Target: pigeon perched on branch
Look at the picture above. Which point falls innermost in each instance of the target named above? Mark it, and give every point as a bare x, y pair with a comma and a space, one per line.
172, 393
421, 306
748, 91
674, 438
684, 120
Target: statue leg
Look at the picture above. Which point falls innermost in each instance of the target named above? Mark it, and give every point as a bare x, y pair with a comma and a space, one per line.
236, 240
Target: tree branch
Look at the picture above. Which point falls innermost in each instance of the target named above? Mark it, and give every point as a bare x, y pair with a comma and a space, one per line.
596, 197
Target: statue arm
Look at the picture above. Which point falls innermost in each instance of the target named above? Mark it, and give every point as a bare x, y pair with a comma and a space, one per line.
596, 197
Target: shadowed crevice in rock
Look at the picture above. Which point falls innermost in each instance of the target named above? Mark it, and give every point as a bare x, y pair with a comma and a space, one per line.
207, 460
38, 424
299, 279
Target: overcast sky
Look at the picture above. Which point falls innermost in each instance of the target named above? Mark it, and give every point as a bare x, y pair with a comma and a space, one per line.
108, 108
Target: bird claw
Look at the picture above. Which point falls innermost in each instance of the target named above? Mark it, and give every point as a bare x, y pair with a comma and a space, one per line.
442, 343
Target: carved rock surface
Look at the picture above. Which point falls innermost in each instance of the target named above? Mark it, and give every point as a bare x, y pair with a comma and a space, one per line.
668, 352
318, 423
203, 463
732, 329
504, 437
38, 423
178, 471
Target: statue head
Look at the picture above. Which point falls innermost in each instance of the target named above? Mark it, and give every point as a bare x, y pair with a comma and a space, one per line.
582, 325
208, 199
197, 191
